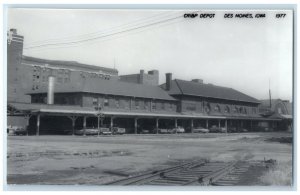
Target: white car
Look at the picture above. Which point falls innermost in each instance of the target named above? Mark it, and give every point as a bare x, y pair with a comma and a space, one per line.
178, 130
200, 130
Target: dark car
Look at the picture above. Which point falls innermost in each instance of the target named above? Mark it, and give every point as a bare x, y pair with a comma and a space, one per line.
215, 129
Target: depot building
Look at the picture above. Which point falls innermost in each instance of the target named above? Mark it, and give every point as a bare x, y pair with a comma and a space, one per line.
59, 97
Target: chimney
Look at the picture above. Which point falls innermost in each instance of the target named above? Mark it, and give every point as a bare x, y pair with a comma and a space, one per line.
168, 81
50, 94
197, 81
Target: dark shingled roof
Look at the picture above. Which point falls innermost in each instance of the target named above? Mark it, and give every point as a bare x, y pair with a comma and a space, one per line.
181, 87
110, 87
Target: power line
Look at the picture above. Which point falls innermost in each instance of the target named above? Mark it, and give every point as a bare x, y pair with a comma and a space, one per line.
136, 22
103, 40
103, 36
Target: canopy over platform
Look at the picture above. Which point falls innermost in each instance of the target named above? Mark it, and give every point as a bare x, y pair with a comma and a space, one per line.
71, 110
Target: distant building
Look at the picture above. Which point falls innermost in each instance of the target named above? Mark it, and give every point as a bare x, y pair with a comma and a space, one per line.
152, 78
278, 109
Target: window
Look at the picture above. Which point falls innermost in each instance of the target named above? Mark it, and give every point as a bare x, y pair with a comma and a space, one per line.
106, 103
227, 109
235, 110
162, 105
137, 105
117, 103
146, 105
126, 104
95, 101
191, 107
153, 105
241, 110
217, 108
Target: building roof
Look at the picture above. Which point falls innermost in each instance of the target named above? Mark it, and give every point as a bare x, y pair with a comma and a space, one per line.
68, 110
110, 87
181, 87
71, 64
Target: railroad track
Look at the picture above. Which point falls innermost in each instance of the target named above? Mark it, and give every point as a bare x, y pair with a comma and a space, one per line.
192, 173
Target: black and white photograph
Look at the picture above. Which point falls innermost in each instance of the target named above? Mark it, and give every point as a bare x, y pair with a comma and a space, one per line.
150, 98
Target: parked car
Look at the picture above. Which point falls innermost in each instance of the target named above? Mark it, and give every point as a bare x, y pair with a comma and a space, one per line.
178, 130
16, 130
243, 130
105, 131
145, 131
163, 131
200, 130
118, 130
215, 129
232, 130
88, 131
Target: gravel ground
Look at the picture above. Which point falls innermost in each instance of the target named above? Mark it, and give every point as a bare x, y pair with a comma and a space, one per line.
98, 160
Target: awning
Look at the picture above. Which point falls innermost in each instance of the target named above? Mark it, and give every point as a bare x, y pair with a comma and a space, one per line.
69, 110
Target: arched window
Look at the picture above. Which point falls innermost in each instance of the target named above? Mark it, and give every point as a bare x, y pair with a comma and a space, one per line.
227, 109
235, 110
241, 110
207, 108
217, 108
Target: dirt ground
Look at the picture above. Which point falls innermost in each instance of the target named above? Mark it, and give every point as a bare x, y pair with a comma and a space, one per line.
98, 160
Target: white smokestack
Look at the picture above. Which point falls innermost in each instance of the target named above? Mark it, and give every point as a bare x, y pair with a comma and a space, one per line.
50, 94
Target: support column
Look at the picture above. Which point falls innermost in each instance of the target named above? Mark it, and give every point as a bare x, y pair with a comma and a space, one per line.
84, 125
73, 118
27, 122
156, 125
135, 125
38, 124
206, 123
176, 123
192, 125
219, 122
226, 125
111, 122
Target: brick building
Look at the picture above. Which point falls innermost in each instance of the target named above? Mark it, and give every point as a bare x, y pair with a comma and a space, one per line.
26, 73
152, 78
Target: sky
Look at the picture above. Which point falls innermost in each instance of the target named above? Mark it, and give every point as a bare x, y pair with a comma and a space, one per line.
240, 53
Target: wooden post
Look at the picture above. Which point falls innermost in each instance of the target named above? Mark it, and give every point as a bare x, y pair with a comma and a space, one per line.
38, 125
192, 126
175, 122
27, 122
98, 122
135, 125
219, 121
156, 125
84, 125
206, 123
73, 118
111, 122
226, 125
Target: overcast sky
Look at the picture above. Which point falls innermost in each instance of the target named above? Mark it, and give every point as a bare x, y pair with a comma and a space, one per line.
239, 53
